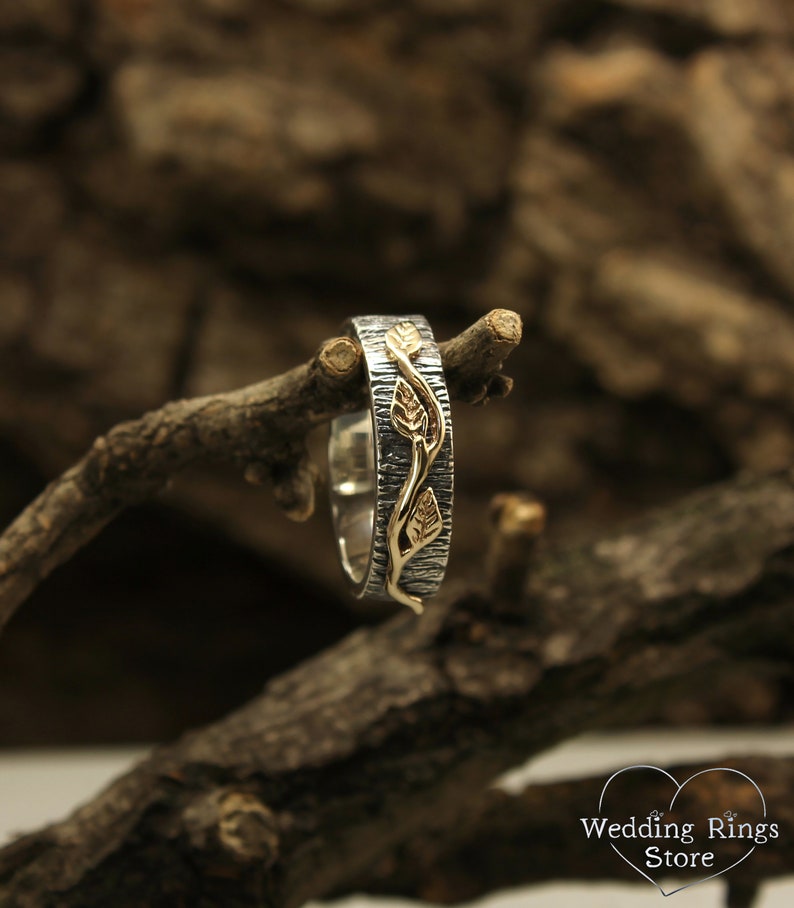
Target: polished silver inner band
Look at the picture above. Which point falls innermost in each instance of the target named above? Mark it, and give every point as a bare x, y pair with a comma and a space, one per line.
351, 452
390, 466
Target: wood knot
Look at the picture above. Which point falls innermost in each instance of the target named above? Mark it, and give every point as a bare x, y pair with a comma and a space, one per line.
247, 829
505, 326
517, 520
256, 473
340, 359
517, 514
235, 824
294, 486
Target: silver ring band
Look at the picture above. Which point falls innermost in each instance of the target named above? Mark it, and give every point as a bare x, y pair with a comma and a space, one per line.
390, 467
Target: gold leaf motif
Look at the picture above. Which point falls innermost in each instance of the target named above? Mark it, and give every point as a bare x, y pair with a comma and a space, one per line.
404, 337
424, 523
417, 415
408, 414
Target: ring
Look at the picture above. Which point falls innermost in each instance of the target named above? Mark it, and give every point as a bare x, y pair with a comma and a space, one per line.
390, 467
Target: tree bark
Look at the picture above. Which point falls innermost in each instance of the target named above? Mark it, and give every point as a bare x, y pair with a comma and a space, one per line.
198, 191
201, 190
356, 751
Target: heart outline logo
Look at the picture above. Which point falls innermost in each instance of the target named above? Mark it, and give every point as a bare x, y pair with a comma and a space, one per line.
679, 788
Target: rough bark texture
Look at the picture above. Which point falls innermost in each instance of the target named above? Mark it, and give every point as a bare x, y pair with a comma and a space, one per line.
200, 190
197, 191
354, 753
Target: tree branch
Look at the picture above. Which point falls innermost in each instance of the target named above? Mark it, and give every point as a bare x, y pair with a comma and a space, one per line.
354, 752
261, 428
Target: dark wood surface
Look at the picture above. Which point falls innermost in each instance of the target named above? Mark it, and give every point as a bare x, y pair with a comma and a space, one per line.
358, 750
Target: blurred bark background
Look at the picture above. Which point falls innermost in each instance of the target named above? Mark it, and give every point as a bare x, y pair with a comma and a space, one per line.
195, 193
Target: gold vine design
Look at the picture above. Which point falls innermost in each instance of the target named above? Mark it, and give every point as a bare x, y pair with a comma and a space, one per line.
416, 414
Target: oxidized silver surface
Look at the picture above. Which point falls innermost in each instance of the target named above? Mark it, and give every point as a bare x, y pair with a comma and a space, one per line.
391, 466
